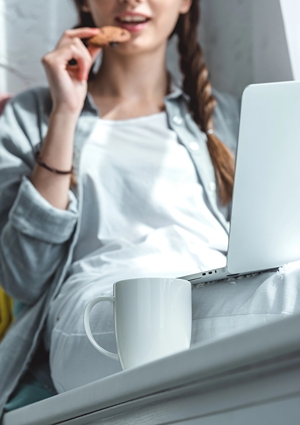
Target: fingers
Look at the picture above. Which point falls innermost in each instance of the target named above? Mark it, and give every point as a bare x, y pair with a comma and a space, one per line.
84, 32
71, 49
79, 33
76, 67
83, 58
94, 52
56, 62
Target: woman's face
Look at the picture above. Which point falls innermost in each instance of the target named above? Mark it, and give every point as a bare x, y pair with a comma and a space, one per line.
150, 22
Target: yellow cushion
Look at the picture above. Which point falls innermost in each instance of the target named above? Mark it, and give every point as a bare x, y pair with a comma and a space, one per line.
6, 312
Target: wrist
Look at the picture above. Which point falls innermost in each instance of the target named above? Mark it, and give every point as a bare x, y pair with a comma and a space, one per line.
65, 112
65, 115
70, 112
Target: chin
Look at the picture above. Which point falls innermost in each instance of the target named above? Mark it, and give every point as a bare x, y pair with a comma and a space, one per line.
135, 47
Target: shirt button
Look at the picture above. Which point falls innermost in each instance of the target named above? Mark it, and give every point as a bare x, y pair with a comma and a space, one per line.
212, 186
194, 146
177, 120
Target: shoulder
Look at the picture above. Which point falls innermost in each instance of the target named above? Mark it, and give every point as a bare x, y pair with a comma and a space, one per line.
227, 118
227, 105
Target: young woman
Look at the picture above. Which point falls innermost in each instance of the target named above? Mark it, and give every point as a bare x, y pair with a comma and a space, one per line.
150, 189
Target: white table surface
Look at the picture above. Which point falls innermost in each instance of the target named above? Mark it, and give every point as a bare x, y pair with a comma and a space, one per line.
251, 377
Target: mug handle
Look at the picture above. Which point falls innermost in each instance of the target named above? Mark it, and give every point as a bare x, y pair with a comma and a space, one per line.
87, 327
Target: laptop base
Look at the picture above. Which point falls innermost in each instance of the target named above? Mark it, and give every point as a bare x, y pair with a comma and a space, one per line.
220, 274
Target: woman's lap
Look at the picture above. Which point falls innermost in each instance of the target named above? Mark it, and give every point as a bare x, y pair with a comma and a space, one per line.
219, 309
235, 305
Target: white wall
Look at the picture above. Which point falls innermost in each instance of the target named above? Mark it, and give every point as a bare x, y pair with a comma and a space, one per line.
3, 83
271, 61
244, 40
291, 18
228, 43
32, 27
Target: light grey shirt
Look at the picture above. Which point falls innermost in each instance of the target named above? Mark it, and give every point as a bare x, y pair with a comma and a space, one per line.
37, 240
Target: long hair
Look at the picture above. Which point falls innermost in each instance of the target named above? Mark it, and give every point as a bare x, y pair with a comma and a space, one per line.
85, 18
197, 86
202, 104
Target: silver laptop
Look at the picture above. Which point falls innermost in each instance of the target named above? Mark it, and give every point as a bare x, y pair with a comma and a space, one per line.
265, 219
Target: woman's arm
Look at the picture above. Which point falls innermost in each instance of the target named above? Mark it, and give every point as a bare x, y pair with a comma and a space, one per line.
38, 212
68, 87
34, 235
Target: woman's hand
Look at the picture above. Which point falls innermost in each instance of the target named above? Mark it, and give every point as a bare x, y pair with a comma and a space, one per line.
68, 83
68, 86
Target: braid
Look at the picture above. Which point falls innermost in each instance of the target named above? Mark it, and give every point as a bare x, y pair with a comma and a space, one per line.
202, 104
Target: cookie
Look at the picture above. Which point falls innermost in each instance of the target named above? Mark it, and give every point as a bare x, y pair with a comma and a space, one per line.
109, 36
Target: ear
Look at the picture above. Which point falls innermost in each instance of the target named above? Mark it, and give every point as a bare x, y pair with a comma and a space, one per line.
85, 7
185, 6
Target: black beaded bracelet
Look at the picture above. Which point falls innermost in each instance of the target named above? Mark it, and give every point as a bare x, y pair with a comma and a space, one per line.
52, 170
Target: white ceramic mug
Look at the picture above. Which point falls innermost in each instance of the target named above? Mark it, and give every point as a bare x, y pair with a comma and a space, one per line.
153, 319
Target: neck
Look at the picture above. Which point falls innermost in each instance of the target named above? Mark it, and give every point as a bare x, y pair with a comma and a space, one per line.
140, 76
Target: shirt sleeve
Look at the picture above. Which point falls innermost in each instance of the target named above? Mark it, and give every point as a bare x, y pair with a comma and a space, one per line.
34, 216
34, 236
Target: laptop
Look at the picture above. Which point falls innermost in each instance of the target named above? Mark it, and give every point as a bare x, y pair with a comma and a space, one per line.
265, 219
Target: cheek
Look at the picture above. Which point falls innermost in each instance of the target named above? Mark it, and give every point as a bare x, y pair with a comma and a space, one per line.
167, 13
166, 25
101, 12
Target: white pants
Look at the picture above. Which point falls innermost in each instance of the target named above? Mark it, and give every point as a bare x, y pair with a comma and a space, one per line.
219, 309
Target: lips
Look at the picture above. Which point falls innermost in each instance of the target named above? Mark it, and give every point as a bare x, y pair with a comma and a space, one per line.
132, 21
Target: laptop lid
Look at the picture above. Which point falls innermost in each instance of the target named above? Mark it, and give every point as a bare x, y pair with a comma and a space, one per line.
265, 220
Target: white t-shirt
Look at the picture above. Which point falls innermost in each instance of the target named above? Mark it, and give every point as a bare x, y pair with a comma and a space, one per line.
144, 214
142, 203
